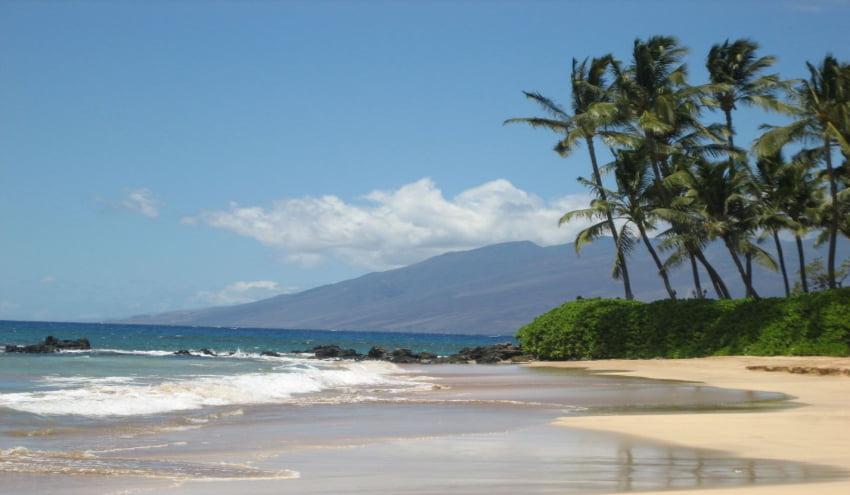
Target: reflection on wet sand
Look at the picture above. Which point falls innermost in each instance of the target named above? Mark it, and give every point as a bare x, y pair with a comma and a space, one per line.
540, 459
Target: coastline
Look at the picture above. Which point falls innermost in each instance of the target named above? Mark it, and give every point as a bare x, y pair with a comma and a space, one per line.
817, 432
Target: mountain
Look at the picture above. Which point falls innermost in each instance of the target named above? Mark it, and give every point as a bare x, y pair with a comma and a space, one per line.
492, 290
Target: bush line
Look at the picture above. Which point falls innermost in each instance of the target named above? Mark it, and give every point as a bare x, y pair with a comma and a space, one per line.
805, 324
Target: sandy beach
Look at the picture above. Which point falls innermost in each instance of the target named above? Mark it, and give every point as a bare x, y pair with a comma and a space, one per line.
818, 431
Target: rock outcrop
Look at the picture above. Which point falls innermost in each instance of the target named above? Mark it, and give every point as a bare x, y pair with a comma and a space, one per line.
335, 351
488, 354
51, 344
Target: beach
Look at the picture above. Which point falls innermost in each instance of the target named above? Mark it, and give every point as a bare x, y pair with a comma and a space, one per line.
818, 431
213, 411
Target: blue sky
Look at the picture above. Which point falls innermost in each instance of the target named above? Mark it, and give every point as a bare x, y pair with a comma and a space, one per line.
166, 155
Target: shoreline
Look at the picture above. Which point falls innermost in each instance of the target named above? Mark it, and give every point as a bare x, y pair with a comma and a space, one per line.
818, 432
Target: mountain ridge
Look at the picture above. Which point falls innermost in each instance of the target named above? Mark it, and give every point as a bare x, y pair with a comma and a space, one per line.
490, 290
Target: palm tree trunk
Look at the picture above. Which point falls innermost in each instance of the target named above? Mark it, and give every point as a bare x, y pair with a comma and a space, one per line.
748, 257
781, 263
653, 159
621, 260
833, 221
802, 256
740, 266
728, 113
695, 270
662, 272
716, 280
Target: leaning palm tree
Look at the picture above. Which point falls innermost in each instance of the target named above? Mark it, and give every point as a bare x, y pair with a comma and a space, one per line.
821, 103
716, 200
659, 115
802, 202
770, 195
591, 109
735, 70
631, 204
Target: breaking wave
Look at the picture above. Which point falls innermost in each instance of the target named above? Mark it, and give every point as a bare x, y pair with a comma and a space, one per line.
122, 397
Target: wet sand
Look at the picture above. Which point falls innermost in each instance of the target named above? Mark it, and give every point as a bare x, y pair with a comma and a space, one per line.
817, 432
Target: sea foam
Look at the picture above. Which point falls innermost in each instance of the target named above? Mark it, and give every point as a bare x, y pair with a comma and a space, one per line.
98, 398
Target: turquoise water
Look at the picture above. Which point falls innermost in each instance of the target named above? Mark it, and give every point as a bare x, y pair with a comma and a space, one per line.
172, 338
132, 371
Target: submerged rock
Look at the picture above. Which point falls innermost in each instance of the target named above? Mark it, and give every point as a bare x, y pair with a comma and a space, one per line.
51, 344
270, 353
452, 359
200, 352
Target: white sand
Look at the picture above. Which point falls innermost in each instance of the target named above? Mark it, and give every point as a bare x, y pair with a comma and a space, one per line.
818, 432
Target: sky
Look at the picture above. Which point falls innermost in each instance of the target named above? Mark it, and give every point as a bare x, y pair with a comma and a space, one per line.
167, 155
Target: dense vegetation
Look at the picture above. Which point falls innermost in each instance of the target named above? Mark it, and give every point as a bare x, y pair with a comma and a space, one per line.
679, 177
803, 324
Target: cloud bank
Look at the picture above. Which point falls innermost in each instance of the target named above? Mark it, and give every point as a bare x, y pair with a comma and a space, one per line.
387, 229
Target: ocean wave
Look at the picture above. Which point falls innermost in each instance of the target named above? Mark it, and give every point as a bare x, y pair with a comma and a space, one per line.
129, 352
99, 399
237, 354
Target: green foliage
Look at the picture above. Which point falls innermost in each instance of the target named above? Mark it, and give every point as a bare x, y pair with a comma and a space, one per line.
805, 324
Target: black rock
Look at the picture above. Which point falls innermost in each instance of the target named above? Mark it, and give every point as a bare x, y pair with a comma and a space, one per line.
403, 356
378, 353
183, 352
270, 353
207, 352
334, 351
51, 344
489, 354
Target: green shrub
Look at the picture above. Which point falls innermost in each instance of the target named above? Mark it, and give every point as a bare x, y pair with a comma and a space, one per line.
805, 324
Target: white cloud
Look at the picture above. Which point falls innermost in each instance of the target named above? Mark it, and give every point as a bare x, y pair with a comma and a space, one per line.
394, 228
241, 292
141, 201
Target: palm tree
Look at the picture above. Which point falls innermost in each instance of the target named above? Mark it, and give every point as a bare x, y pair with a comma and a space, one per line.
716, 200
658, 114
821, 104
802, 201
631, 203
769, 194
735, 70
591, 109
